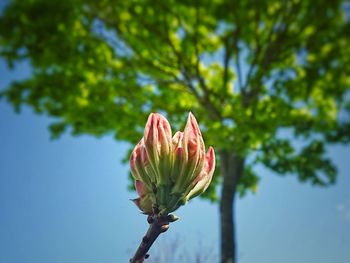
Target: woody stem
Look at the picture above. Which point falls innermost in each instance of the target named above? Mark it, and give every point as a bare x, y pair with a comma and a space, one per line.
158, 224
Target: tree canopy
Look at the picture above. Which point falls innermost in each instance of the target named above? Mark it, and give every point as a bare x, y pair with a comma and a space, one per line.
251, 71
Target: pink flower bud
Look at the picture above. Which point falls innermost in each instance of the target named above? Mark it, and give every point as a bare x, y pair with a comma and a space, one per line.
157, 135
168, 171
157, 138
135, 162
140, 188
178, 155
195, 143
192, 151
203, 180
144, 202
139, 164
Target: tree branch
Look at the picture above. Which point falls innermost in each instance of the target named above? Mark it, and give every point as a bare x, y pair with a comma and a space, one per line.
226, 63
158, 224
271, 50
198, 74
204, 100
235, 36
182, 64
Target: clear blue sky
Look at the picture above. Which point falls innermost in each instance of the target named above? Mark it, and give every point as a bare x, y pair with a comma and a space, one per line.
66, 201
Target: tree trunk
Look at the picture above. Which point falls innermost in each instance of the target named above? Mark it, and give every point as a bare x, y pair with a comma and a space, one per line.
232, 167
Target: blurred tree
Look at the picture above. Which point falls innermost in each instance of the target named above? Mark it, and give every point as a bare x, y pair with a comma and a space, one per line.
249, 70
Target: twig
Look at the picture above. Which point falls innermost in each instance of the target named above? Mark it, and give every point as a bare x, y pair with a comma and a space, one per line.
158, 224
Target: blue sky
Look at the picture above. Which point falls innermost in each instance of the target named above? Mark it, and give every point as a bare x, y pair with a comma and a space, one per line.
66, 201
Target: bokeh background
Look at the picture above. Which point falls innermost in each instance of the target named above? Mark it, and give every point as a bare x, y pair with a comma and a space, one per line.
67, 200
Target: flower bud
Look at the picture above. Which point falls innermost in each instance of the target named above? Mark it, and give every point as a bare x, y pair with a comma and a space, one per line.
157, 139
139, 165
203, 180
168, 171
144, 204
192, 151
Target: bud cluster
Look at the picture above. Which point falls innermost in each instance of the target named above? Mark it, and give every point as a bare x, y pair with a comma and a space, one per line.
170, 170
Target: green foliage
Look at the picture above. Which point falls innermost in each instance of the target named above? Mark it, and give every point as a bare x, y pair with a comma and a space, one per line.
246, 69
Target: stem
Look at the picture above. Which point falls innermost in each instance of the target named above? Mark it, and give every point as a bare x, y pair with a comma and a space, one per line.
158, 224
